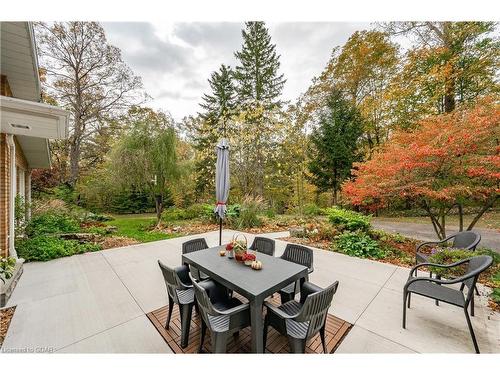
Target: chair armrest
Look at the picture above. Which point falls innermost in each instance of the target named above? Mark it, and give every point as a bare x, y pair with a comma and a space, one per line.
233, 310
310, 270
439, 265
279, 312
434, 242
437, 281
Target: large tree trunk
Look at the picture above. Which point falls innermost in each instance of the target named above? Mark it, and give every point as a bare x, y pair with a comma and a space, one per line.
74, 158
438, 222
489, 203
158, 208
460, 217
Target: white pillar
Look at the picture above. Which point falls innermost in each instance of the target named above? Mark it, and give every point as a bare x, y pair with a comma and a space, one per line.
12, 195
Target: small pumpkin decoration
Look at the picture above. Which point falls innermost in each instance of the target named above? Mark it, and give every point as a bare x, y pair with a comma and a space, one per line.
222, 253
256, 265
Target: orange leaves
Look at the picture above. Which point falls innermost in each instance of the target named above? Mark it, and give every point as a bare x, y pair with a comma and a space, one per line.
447, 157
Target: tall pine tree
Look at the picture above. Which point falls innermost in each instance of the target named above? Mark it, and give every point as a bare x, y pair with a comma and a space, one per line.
218, 108
257, 75
335, 144
259, 86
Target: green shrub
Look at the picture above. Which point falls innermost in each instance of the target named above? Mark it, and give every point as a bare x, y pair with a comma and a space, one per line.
7, 266
447, 256
65, 192
51, 222
270, 213
43, 248
312, 209
88, 247
358, 244
195, 211
491, 253
247, 215
232, 213
173, 214
495, 295
348, 220
131, 202
320, 231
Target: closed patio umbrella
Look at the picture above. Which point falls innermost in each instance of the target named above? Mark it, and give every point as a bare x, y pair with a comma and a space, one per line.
222, 182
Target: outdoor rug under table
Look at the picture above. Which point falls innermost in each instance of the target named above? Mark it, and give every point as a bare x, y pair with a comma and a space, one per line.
336, 330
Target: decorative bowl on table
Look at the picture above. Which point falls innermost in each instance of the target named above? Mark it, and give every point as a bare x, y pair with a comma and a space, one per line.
249, 258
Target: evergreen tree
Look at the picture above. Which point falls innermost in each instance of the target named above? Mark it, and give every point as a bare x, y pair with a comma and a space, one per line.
258, 81
335, 144
259, 86
218, 108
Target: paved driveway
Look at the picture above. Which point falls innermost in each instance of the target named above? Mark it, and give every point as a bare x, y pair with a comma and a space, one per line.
489, 238
97, 302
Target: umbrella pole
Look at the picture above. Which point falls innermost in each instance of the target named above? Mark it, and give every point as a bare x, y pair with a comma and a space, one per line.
220, 231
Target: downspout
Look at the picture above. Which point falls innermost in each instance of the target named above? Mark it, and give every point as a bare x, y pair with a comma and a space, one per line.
12, 194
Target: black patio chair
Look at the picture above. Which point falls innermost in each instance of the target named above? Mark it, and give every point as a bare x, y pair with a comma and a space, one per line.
467, 240
263, 245
300, 321
190, 246
221, 314
437, 289
300, 255
180, 291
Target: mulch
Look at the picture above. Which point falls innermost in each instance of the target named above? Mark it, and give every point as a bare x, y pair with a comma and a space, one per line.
5, 319
336, 330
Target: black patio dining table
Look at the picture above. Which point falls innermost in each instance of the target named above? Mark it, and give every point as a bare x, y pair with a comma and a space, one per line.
254, 285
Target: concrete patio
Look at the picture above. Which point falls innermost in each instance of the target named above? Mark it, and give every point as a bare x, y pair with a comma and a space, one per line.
97, 302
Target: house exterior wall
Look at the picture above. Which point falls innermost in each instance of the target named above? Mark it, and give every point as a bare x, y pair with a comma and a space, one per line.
4, 195
6, 178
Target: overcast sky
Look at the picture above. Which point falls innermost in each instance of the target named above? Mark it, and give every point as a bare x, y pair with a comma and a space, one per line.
176, 59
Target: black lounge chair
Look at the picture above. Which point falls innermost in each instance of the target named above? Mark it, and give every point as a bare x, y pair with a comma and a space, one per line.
300, 321
221, 314
180, 291
467, 240
190, 246
300, 255
437, 289
263, 245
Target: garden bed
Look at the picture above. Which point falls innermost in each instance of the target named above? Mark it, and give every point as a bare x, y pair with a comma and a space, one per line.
6, 316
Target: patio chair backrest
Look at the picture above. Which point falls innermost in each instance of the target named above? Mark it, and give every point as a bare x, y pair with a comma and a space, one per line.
194, 245
171, 281
475, 267
298, 254
316, 307
466, 240
263, 245
190, 246
205, 305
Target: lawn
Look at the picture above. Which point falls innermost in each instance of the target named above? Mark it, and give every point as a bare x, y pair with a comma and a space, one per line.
138, 227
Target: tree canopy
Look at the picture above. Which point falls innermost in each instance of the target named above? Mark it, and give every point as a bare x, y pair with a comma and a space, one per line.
448, 160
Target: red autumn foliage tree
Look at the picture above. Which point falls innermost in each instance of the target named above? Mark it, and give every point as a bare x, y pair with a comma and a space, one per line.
448, 161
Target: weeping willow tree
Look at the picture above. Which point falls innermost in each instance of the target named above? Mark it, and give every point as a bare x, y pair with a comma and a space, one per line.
145, 156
